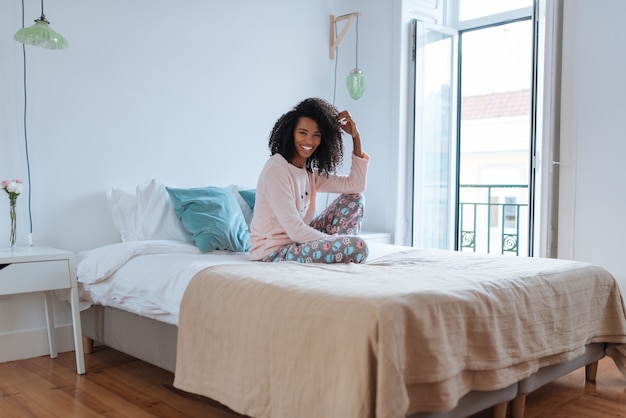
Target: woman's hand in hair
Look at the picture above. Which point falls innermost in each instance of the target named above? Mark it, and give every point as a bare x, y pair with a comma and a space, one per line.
347, 123
349, 126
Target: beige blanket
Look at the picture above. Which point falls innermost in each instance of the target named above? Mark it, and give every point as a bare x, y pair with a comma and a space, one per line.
413, 332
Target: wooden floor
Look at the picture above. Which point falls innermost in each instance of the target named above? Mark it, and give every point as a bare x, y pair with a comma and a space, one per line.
117, 385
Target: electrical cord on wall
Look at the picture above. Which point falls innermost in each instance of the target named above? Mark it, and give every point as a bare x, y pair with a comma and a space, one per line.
334, 89
336, 61
30, 215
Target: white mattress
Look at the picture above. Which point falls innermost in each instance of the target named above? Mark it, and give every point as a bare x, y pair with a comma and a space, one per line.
149, 278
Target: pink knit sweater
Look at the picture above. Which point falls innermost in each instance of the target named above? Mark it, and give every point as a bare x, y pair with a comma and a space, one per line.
285, 202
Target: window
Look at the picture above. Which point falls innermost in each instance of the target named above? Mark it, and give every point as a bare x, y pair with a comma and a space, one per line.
473, 143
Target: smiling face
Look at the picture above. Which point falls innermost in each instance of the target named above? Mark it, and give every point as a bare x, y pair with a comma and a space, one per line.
306, 139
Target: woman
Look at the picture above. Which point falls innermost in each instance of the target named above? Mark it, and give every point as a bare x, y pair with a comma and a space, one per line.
306, 150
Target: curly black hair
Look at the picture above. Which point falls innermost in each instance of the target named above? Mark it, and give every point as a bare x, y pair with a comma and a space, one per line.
329, 154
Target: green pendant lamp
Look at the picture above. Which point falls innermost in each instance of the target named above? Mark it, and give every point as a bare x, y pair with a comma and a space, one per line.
355, 82
41, 34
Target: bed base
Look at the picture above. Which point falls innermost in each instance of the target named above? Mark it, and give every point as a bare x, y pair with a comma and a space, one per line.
477, 401
144, 338
155, 342
589, 360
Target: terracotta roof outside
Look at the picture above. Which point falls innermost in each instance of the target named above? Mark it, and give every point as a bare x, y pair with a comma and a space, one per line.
496, 105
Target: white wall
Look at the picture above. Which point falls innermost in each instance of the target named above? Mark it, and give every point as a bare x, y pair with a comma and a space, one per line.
592, 225
183, 91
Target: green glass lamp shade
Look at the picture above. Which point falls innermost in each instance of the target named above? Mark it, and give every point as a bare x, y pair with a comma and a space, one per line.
41, 34
356, 83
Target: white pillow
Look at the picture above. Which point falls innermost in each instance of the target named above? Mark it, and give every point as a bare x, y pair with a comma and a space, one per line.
122, 205
147, 214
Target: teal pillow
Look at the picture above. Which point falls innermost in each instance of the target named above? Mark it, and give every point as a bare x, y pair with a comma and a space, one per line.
213, 217
249, 196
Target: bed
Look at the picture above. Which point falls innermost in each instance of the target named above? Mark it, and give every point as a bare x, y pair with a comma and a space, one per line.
413, 332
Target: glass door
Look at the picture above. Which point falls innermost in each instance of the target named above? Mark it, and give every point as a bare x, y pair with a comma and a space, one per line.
495, 138
434, 145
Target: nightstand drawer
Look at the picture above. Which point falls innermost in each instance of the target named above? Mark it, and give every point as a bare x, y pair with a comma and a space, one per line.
34, 276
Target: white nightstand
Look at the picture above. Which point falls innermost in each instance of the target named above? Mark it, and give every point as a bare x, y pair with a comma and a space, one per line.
43, 269
384, 237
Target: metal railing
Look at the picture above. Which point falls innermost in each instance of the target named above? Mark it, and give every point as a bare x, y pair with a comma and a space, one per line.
493, 218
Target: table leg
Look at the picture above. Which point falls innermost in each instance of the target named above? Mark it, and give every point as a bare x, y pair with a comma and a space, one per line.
78, 333
52, 341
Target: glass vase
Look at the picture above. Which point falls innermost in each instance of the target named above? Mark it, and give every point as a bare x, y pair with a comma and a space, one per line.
13, 235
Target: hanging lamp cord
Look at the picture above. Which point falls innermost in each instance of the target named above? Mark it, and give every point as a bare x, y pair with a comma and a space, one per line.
357, 40
336, 61
30, 216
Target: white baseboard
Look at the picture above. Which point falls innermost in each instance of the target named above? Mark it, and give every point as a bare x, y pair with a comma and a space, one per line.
34, 343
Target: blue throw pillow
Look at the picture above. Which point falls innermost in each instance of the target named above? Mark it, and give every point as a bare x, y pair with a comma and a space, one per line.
213, 217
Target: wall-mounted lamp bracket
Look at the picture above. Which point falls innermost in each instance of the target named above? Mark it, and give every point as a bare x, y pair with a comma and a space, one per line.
334, 43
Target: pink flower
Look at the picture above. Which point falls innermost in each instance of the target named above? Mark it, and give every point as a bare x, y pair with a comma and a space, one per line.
12, 187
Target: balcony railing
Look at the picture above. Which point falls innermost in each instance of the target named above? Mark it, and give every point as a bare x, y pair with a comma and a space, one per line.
493, 218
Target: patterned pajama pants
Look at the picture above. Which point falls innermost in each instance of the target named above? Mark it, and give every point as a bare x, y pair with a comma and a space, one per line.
342, 217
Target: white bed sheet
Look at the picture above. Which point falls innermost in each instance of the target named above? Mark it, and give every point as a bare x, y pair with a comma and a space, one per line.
149, 278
